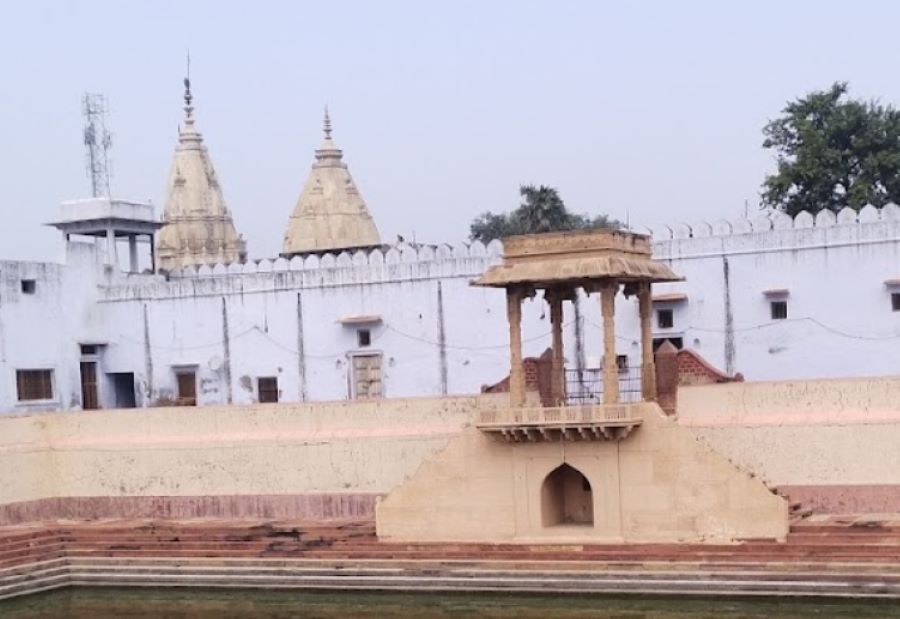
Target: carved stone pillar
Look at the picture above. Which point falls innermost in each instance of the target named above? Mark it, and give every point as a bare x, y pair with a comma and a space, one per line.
648, 367
516, 369
558, 371
610, 369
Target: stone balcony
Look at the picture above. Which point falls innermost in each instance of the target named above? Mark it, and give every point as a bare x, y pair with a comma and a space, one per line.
586, 422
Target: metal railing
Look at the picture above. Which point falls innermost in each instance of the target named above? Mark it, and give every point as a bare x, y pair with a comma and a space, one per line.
586, 386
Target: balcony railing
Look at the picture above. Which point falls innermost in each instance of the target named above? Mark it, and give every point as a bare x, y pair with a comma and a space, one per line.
585, 386
585, 421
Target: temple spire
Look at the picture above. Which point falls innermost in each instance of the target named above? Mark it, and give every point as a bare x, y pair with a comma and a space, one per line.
327, 124
188, 97
330, 215
198, 227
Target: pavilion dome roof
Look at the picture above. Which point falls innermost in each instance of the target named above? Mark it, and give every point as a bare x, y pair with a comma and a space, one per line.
576, 257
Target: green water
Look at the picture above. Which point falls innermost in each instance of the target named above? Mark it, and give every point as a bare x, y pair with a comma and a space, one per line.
81, 603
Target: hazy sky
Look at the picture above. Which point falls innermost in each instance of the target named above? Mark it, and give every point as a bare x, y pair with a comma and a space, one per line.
442, 109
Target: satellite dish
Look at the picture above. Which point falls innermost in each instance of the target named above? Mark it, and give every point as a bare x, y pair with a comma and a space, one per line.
215, 363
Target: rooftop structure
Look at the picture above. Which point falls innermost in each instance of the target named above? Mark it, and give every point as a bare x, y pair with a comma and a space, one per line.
112, 220
330, 213
198, 227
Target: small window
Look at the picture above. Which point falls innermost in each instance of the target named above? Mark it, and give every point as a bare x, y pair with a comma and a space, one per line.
363, 338
29, 286
779, 310
88, 349
665, 318
267, 389
34, 385
622, 362
895, 301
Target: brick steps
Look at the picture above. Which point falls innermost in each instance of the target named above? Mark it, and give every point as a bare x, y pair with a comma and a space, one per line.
822, 558
819, 551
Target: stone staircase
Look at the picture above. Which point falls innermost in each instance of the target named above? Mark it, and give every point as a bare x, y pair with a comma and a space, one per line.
832, 556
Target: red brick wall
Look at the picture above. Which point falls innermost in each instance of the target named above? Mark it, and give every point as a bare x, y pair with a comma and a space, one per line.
695, 370
537, 377
683, 367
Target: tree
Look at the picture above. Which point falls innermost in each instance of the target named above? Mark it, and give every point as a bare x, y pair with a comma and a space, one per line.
833, 152
542, 210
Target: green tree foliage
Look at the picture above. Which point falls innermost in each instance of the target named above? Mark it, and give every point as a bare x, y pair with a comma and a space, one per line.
542, 210
833, 152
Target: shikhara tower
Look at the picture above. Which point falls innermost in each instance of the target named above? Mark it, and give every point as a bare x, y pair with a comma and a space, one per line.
197, 225
330, 214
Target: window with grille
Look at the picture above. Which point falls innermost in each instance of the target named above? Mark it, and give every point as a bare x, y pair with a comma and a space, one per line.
363, 338
34, 385
267, 389
779, 310
665, 318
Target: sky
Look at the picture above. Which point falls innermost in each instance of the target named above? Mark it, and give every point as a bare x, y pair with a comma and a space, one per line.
647, 111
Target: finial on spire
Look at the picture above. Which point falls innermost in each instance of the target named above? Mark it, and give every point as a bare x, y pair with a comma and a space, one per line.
188, 97
327, 124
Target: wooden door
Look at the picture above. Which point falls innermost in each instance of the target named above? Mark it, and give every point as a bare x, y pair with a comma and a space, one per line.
89, 397
267, 389
366, 377
187, 388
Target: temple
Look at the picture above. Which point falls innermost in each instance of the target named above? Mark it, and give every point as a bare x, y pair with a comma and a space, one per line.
330, 213
576, 411
197, 226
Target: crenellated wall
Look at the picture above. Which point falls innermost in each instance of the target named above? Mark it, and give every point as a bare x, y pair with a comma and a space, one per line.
294, 319
835, 272
400, 261
770, 220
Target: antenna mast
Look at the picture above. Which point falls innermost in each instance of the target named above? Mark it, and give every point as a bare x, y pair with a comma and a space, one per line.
97, 142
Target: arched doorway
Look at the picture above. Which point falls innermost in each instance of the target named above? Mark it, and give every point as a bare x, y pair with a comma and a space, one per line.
566, 498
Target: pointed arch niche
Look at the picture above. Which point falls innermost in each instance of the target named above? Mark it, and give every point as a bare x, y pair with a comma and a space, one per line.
566, 498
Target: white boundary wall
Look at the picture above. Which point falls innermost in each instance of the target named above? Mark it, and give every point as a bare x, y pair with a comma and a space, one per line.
437, 334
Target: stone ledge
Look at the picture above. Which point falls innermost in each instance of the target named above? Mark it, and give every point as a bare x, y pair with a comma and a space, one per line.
320, 506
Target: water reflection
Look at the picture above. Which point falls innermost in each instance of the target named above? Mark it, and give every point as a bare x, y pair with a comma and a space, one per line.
209, 604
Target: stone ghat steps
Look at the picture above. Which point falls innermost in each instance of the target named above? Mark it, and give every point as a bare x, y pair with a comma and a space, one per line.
323, 549
357, 541
860, 547
864, 539
853, 525
818, 549
825, 558
388, 575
